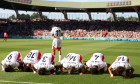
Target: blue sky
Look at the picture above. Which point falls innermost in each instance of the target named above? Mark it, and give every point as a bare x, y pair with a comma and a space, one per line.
83, 0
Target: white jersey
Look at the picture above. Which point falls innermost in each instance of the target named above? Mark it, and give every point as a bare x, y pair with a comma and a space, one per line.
56, 31
32, 57
12, 59
66, 57
97, 59
122, 61
72, 59
45, 62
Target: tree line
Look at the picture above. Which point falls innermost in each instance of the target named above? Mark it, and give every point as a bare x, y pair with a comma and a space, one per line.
27, 16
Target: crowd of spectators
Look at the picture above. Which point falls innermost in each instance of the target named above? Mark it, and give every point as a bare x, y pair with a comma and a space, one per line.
72, 28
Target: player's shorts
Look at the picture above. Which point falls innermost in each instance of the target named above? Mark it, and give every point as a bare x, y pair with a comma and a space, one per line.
100, 65
48, 67
5, 37
126, 65
75, 65
56, 43
13, 64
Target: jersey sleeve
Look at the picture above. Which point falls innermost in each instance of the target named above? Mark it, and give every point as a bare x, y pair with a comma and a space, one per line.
19, 57
80, 60
103, 58
127, 59
52, 60
39, 56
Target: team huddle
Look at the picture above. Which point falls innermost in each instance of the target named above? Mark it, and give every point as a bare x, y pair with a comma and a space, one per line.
41, 64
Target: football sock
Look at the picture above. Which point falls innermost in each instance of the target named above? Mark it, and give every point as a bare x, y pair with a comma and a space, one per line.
59, 58
2, 68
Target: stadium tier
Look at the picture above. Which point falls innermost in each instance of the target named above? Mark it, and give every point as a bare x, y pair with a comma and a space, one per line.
73, 28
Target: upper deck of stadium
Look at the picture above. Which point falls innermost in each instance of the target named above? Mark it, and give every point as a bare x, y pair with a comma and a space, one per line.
71, 6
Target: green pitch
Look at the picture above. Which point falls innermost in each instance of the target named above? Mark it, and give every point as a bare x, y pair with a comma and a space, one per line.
111, 49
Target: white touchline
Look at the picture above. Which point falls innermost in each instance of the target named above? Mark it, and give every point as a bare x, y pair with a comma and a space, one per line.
3, 81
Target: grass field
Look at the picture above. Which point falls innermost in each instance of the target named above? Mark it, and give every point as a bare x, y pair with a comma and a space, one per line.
111, 49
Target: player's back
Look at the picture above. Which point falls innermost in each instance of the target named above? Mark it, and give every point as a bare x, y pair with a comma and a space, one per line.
56, 31
122, 59
33, 56
47, 58
74, 58
97, 57
13, 56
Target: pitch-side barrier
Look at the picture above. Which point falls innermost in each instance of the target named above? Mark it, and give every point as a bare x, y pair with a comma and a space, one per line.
74, 38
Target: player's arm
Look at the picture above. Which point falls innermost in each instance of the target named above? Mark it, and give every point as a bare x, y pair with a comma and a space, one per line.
20, 67
62, 34
110, 71
108, 65
85, 68
34, 70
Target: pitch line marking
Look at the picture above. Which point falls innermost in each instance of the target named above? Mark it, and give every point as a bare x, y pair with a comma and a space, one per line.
3, 81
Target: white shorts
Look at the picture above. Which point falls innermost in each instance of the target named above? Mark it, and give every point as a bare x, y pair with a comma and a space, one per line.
75, 65
27, 61
48, 67
56, 44
100, 65
126, 65
13, 64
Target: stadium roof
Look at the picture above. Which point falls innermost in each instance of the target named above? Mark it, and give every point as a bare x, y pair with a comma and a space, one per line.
57, 5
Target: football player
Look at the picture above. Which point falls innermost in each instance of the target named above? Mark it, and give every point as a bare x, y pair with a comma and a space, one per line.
5, 36
73, 62
56, 44
96, 64
121, 65
46, 63
31, 58
12, 60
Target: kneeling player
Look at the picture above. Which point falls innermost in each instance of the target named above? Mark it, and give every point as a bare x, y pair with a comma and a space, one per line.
121, 65
46, 63
96, 64
73, 62
33, 57
14, 59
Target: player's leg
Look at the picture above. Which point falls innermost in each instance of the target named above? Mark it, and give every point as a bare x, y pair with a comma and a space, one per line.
53, 46
59, 51
129, 72
59, 48
5, 38
2, 65
34, 68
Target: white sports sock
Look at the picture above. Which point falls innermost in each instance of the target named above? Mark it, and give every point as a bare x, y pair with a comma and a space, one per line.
35, 72
2, 68
59, 58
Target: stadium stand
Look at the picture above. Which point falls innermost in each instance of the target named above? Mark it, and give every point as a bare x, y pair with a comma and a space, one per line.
72, 28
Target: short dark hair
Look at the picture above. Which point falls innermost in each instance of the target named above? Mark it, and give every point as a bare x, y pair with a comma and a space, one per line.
94, 70
42, 71
9, 68
27, 69
120, 70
